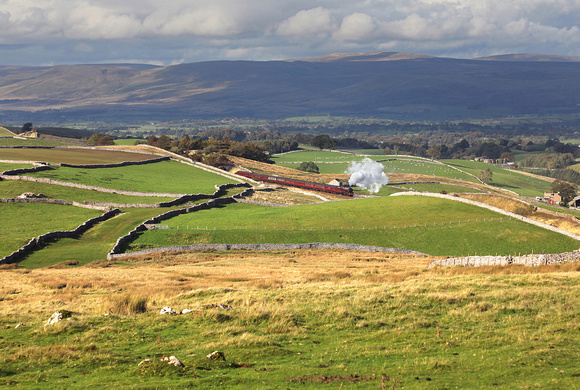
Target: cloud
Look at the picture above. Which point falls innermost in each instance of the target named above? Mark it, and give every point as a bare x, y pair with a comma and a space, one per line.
356, 27
315, 21
192, 30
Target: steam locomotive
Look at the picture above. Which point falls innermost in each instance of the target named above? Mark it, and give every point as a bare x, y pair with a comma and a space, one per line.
340, 190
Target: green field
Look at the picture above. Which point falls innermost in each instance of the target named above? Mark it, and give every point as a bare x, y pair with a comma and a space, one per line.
10, 166
5, 132
438, 188
428, 225
32, 142
74, 155
94, 244
521, 184
161, 177
19, 222
13, 188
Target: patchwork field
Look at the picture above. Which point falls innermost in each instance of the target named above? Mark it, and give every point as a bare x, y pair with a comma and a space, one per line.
288, 319
74, 155
428, 225
162, 177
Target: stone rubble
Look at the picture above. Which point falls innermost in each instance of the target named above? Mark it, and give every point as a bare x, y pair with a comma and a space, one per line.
167, 310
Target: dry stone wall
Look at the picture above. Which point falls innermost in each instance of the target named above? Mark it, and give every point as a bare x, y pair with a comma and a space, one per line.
529, 260
132, 235
116, 165
15, 172
37, 242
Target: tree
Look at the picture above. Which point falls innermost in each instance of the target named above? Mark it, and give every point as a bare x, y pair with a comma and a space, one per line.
308, 166
164, 142
27, 127
486, 176
323, 141
434, 152
507, 156
105, 140
565, 189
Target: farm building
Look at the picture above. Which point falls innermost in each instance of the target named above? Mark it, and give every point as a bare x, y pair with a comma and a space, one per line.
336, 182
575, 202
553, 198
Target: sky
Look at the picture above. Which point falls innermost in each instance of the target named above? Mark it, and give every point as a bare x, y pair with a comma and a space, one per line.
166, 32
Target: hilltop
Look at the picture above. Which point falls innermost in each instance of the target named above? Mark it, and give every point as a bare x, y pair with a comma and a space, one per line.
395, 85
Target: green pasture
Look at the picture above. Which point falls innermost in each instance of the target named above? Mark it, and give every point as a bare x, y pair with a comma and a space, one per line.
429, 225
94, 244
161, 177
5, 132
366, 152
32, 142
128, 141
20, 222
77, 155
13, 188
10, 166
438, 188
316, 156
521, 184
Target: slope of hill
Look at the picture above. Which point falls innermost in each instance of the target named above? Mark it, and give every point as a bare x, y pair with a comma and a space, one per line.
379, 84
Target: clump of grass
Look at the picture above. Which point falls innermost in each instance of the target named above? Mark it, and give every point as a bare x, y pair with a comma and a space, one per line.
126, 304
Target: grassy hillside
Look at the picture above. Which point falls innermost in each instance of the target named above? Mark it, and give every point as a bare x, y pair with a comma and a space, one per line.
312, 319
164, 176
428, 225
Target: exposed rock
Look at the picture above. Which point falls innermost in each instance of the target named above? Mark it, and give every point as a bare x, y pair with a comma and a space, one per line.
58, 316
167, 310
172, 360
216, 355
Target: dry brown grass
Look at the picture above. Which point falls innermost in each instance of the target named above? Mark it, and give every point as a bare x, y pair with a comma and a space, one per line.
172, 279
283, 196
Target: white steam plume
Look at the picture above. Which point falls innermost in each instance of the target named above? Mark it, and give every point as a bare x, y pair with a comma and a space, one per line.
367, 174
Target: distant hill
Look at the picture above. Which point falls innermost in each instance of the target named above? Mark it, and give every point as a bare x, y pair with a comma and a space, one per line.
395, 85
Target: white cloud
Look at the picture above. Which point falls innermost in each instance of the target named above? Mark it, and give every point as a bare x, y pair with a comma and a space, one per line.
315, 21
356, 27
